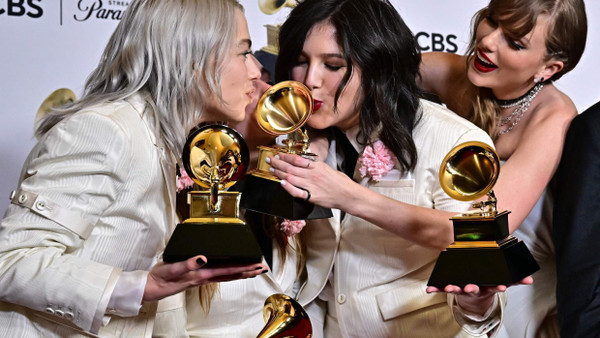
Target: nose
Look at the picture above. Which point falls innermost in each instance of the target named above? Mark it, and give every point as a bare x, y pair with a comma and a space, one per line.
312, 78
489, 41
253, 67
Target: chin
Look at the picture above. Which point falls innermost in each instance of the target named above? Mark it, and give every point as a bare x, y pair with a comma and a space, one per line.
475, 78
318, 124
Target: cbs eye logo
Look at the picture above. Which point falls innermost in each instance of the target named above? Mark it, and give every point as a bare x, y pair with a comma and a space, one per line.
435, 42
18, 8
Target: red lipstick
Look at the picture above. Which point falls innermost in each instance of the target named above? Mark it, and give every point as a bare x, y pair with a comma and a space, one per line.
316, 104
482, 63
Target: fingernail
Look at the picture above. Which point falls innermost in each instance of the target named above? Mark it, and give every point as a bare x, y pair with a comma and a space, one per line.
258, 268
271, 169
265, 271
268, 160
277, 156
200, 261
283, 182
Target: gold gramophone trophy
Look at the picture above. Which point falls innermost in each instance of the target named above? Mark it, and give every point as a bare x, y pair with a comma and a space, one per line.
483, 251
282, 109
215, 157
284, 317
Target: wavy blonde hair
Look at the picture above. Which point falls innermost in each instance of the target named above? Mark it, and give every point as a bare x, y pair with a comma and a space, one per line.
173, 53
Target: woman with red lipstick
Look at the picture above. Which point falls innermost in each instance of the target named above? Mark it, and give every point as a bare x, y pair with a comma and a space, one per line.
372, 260
505, 85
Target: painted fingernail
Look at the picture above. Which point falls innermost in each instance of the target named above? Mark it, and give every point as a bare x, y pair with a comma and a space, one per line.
271, 169
268, 160
200, 261
258, 268
276, 156
283, 182
265, 271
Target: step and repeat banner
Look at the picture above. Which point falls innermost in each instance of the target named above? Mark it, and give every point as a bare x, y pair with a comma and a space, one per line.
51, 44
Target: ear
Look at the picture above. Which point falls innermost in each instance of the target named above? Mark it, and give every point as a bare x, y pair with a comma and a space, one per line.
550, 68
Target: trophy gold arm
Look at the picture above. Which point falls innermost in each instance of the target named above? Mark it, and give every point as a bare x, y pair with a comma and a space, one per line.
284, 317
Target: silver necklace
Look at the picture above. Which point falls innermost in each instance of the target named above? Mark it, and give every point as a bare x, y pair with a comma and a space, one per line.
517, 114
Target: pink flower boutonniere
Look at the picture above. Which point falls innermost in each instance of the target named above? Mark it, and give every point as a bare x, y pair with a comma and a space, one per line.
291, 228
376, 161
183, 180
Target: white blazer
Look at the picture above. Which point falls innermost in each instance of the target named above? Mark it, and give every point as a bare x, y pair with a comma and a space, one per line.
379, 279
236, 309
96, 198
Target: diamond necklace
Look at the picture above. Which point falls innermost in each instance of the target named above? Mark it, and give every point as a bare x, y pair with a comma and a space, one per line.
523, 105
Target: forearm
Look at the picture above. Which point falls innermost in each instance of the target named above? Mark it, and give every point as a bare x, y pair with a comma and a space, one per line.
424, 226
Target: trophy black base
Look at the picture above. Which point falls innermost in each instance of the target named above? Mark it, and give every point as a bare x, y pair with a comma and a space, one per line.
221, 243
268, 197
503, 265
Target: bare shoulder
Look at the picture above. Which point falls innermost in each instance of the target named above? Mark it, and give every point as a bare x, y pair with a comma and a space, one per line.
439, 68
554, 107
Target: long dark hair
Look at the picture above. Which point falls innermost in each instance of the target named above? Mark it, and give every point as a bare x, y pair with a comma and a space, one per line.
374, 38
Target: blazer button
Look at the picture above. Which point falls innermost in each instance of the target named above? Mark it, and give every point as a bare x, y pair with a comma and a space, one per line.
12, 194
341, 298
50, 310
41, 205
69, 315
59, 313
22, 198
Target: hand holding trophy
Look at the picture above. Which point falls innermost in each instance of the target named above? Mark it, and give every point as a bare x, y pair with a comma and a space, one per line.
483, 251
282, 109
215, 157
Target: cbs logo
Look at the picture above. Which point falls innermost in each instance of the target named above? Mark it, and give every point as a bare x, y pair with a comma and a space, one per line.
18, 8
435, 42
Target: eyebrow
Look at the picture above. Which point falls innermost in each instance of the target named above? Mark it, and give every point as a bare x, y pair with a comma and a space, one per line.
327, 55
248, 42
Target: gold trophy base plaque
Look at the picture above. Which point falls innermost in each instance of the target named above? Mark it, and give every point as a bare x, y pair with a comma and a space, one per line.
483, 253
505, 265
218, 234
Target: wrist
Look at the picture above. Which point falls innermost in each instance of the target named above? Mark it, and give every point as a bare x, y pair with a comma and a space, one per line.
480, 305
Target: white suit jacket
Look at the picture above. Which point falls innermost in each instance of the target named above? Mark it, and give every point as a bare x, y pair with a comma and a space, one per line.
379, 278
96, 198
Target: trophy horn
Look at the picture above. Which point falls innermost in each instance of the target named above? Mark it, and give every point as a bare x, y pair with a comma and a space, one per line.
273, 6
283, 109
57, 98
470, 171
284, 317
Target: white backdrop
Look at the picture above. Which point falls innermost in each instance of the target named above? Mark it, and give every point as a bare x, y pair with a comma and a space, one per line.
49, 44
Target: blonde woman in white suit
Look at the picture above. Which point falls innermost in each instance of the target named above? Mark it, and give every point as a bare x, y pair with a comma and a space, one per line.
80, 243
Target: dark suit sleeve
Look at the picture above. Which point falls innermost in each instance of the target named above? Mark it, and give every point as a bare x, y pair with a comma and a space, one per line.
577, 228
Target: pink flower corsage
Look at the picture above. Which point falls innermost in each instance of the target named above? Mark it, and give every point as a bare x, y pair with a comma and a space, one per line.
376, 161
183, 180
291, 228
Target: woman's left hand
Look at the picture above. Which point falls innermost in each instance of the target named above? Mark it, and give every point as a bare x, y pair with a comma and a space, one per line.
314, 181
476, 299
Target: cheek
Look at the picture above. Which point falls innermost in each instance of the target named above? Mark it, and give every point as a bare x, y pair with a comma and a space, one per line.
298, 74
321, 119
